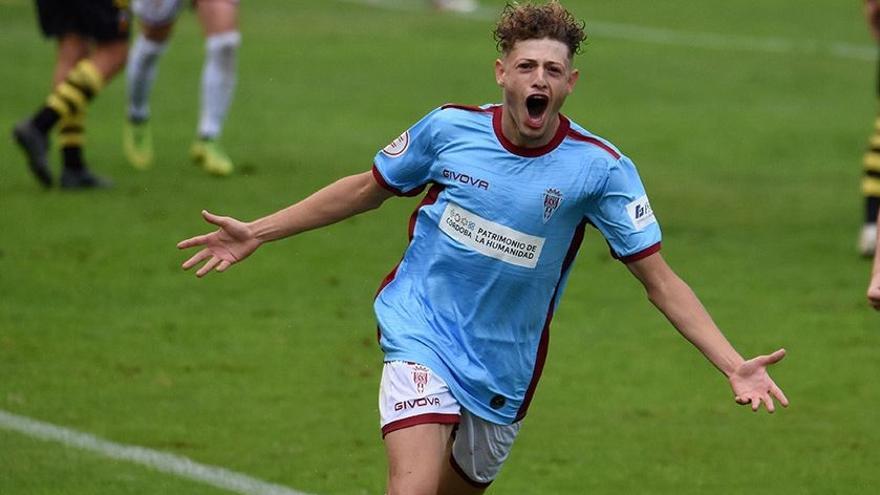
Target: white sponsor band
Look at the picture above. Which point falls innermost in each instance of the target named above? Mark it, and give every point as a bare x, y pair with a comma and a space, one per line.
490, 238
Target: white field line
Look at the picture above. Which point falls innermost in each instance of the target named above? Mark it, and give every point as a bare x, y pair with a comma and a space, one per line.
664, 36
166, 463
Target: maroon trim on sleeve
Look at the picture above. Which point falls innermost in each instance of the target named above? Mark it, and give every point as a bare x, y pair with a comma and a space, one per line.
597, 142
421, 419
644, 253
397, 192
459, 471
561, 131
544, 343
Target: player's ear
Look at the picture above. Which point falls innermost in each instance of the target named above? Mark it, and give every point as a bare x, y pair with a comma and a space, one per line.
573, 79
499, 72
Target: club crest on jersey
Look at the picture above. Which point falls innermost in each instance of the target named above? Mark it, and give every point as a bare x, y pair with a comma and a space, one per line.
398, 146
420, 378
552, 200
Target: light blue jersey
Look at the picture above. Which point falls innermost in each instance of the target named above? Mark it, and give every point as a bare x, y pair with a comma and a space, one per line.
491, 245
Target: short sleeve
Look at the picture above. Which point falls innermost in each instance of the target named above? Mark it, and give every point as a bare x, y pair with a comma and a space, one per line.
404, 166
622, 213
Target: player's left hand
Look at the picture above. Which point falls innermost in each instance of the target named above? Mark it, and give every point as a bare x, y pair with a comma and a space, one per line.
874, 292
752, 385
872, 15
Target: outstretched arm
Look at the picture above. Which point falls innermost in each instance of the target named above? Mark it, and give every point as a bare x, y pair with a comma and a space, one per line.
236, 240
874, 285
872, 15
674, 298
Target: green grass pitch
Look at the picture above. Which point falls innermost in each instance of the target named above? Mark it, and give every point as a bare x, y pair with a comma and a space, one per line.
746, 119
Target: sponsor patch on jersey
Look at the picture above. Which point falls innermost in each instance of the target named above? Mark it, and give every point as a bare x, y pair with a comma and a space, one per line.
491, 239
397, 147
552, 200
640, 213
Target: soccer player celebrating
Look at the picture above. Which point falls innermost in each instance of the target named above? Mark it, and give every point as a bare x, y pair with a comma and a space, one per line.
464, 318
92, 47
219, 20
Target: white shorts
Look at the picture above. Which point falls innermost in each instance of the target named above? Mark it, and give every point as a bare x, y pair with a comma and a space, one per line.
156, 12
411, 394
159, 12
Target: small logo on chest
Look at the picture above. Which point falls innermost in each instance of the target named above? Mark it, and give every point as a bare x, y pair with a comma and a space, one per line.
552, 200
465, 179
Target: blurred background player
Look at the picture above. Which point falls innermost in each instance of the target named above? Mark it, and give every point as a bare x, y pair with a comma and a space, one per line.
461, 6
92, 46
219, 21
874, 284
871, 178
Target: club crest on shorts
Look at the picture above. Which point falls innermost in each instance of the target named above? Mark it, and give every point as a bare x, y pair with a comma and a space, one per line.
398, 146
420, 377
552, 200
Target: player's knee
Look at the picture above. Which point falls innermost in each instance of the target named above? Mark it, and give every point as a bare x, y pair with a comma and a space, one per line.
157, 33
223, 45
410, 484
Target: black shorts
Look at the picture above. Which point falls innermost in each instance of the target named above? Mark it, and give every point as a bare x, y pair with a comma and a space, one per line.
100, 20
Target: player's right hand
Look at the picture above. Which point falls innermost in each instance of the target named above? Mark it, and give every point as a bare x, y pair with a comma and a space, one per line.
872, 15
231, 243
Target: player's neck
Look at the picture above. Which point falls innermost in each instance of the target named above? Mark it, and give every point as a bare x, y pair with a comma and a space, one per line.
512, 132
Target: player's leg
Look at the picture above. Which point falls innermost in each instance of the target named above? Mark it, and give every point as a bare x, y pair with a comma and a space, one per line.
76, 81
871, 193
418, 414
72, 48
157, 20
871, 187
219, 20
90, 75
479, 450
417, 456
32, 133
106, 22
73, 21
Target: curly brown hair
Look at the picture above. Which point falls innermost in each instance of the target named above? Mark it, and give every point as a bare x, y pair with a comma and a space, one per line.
527, 21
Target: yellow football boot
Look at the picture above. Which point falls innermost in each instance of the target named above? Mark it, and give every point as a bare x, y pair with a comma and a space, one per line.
137, 143
211, 158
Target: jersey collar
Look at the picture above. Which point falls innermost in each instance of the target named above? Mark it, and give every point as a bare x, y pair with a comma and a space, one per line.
561, 131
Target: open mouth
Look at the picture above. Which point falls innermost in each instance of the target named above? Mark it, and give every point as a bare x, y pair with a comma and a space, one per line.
536, 106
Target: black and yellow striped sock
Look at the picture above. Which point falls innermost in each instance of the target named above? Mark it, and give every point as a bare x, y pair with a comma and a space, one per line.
871, 177
72, 138
70, 97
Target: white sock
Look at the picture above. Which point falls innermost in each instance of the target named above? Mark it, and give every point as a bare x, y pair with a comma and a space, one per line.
218, 81
140, 72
